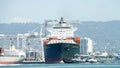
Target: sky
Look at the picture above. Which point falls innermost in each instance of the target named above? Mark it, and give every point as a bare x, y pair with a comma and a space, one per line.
39, 10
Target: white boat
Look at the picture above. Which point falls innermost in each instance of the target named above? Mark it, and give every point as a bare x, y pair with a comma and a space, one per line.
78, 60
92, 60
11, 56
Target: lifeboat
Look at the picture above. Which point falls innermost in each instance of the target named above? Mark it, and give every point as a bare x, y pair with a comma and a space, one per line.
77, 40
68, 38
53, 38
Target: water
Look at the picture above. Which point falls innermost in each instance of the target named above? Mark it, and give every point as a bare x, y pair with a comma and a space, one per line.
61, 66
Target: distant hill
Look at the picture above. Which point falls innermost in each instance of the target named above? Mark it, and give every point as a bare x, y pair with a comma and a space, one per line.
104, 34
17, 28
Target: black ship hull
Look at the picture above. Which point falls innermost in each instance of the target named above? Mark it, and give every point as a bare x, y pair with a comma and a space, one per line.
55, 53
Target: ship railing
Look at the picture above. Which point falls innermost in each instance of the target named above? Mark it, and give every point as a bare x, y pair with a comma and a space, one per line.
61, 41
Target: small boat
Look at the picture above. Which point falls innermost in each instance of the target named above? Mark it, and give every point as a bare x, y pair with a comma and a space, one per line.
32, 61
75, 59
78, 60
92, 60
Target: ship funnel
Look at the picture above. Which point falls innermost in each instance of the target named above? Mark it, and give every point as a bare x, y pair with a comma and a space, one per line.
61, 20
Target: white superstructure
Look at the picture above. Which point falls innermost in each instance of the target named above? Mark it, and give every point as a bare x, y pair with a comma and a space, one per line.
61, 32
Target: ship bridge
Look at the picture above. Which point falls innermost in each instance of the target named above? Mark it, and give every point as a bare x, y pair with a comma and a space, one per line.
62, 30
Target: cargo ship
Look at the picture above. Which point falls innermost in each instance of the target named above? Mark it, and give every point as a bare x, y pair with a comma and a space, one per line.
60, 44
11, 56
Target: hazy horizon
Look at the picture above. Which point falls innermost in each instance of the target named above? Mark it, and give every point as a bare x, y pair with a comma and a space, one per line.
39, 10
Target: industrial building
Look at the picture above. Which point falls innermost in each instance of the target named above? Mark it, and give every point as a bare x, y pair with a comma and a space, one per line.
86, 46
